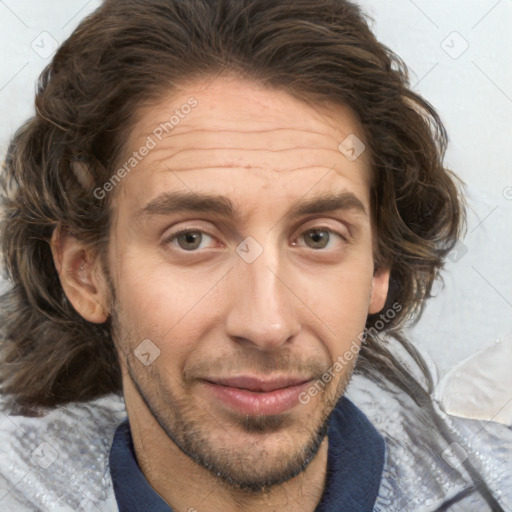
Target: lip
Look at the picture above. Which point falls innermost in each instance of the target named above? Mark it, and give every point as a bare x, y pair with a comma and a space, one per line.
257, 396
260, 384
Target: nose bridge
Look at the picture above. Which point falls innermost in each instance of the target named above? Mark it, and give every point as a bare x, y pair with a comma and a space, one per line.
262, 309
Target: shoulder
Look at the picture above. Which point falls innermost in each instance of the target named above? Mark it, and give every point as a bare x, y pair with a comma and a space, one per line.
423, 470
59, 461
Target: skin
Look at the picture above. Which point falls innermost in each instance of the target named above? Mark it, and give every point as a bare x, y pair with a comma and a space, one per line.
291, 312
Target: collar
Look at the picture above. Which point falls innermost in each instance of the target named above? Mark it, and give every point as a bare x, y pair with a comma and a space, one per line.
355, 463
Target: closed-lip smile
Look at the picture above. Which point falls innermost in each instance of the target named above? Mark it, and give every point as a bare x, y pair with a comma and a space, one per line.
259, 384
254, 395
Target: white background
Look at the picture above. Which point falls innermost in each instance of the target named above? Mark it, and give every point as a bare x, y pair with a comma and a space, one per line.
459, 54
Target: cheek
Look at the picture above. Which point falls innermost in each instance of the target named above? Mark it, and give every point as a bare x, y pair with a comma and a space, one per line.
340, 300
161, 305
343, 286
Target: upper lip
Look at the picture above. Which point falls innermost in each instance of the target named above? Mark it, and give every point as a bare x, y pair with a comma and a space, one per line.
259, 384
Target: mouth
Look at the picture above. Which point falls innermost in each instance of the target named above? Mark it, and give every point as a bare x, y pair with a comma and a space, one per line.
257, 395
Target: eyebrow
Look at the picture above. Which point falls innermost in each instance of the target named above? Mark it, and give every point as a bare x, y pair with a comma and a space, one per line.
177, 202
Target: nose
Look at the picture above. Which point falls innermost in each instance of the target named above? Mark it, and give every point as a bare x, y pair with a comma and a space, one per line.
263, 308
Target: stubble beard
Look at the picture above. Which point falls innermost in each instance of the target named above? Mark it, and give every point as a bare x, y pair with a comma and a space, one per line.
248, 467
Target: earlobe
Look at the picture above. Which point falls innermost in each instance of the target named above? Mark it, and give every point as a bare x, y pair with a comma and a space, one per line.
81, 276
380, 287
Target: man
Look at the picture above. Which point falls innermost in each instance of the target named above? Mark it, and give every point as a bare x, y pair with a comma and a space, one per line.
218, 210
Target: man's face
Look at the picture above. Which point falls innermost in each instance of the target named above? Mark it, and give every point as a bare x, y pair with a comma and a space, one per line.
244, 309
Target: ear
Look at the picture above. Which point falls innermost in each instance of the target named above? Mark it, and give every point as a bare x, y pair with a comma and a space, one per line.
380, 286
81, 276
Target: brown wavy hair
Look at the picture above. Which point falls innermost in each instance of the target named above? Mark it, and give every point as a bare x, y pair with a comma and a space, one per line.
132, 52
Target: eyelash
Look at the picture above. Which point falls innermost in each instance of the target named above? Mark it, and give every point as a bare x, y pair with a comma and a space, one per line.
184, 231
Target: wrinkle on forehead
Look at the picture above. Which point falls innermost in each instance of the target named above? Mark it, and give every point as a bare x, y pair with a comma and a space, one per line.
242, 124
242, 109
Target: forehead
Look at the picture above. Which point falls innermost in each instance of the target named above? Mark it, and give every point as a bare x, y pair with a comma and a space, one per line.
237, 137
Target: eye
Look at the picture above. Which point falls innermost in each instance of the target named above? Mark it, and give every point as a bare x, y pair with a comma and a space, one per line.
320, 237
189, 239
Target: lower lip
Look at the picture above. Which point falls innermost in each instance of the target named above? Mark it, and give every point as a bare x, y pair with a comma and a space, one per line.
253, 403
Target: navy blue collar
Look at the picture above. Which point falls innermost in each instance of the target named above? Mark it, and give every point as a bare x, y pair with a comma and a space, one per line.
354, 466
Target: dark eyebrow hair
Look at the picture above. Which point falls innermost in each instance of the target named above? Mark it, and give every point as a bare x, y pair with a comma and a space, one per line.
329, 202
174, 202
